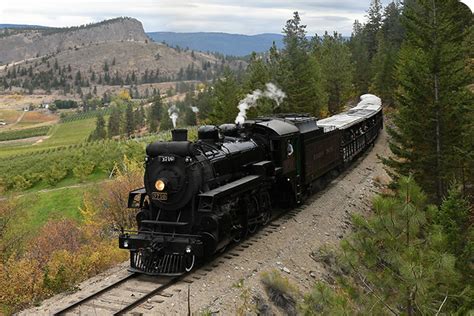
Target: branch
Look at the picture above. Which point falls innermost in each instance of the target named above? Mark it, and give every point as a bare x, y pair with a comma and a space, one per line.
372, 291
442, 304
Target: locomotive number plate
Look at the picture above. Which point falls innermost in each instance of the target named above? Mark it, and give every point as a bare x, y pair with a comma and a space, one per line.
160, 196
167, 158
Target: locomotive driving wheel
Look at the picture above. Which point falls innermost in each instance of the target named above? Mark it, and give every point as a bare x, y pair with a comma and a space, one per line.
266, 207
253, 212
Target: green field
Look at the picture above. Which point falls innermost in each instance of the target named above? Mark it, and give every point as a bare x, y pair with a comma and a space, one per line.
62, 203
24, 133
62, 134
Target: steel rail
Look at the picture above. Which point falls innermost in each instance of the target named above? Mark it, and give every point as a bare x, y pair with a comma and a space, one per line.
91, 296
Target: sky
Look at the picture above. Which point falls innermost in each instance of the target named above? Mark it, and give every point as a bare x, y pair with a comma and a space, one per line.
236, 16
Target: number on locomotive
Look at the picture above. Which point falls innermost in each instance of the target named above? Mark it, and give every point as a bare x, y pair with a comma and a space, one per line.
167, 158
160, 196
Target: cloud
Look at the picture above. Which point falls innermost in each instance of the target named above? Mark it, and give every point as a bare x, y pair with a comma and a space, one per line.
242, 16
469, 3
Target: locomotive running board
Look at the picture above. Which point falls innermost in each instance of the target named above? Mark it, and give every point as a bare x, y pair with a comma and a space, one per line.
247, 183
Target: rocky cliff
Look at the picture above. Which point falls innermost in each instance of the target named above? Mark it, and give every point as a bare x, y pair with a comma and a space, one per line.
33, 43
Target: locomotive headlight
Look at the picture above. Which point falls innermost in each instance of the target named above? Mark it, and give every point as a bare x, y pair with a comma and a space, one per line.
125, 244
188, 249
160, 185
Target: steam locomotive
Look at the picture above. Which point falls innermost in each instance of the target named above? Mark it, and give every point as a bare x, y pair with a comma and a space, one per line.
198, 197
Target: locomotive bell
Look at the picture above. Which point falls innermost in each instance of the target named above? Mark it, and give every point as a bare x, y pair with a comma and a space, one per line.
208, 133
179, 135
229, 130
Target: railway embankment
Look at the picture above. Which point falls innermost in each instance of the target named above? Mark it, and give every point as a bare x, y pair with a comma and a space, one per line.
235, 278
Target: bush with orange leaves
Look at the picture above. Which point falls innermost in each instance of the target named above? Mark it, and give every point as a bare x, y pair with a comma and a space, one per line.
66, 252
60, 256
111, 201
21, 283
8, 212
54, 236
65, 269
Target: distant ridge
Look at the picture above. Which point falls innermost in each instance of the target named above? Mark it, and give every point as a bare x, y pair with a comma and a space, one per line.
224, 43
22, 26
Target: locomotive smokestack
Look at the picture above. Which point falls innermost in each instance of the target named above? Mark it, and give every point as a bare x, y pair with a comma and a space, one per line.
179, 135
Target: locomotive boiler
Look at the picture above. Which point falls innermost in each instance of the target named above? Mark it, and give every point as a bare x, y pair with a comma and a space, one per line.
198, 197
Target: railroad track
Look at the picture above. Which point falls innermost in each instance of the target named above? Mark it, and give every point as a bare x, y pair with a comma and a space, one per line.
121, 296
138, 291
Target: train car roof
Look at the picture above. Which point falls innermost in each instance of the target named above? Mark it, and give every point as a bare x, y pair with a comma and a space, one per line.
304, 123
278, 126
368, 106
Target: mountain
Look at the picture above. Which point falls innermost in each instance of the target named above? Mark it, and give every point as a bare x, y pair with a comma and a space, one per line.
102, 56
22, 26
224, 43
20, 44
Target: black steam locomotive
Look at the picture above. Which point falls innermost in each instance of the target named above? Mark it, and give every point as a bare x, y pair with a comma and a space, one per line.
201, 196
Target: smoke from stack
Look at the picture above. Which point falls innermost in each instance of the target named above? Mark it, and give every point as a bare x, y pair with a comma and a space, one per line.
173, 113
271, 91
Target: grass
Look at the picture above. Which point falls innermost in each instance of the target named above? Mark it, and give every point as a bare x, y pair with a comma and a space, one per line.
280, 291
37, 117
9, 116
38, 208
62, 134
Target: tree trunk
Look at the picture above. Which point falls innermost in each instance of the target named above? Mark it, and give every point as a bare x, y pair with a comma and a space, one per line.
439, 187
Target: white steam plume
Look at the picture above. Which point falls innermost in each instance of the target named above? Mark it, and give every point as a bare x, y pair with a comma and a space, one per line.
271, 91
173, 113
195, 109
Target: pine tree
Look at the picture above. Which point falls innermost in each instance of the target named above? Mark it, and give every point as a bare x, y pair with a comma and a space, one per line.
189, 116
274, 63
113, 127
434, 103
336, 70
140, 117
300, 76
165, 121
390, 38
371, 29
396, 262
225, 99
129, 120
154, 114
99, 132
257, 76
454, 217
360, 59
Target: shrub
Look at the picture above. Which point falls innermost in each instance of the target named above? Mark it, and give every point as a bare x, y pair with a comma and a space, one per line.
113, 195
54, 236
20, 183
20, 283
82, 170
55, 174
280, 291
